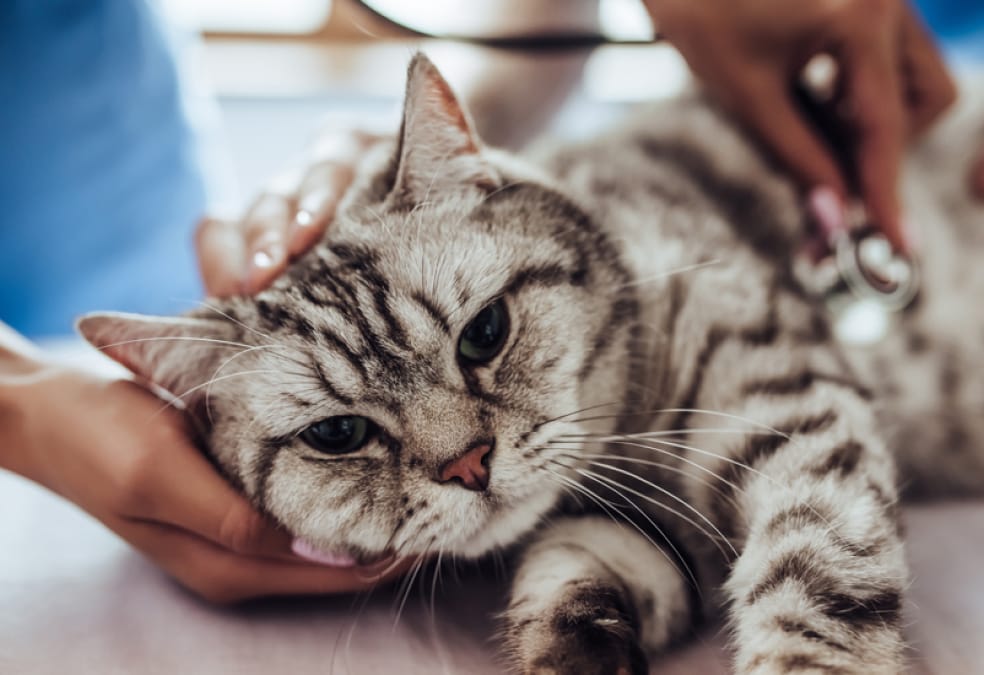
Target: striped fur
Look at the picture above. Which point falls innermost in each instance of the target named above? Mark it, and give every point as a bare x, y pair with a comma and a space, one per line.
668, 392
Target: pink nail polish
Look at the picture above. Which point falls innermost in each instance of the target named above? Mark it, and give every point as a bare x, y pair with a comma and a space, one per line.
268, 254
828, 210
303, 218
303, 549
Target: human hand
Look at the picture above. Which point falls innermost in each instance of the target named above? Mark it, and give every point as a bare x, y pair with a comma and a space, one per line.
892, 85
122, 455
245, 255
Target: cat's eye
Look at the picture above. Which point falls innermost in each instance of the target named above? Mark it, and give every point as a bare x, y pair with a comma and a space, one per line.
338, 435
483, 338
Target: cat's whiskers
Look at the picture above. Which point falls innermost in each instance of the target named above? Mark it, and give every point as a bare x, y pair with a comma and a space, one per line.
669, 273
601, 502
407, 586
240, 373
544, 423
666, 467
215, 373
639, 387
607, 507
435, 634
174, 399
703, 411
676, 456
598, 500
172, 338
590, 460
709, 453
269, 339
376, 215
229, 317
622, 438
376, 579
719, 536
433, 592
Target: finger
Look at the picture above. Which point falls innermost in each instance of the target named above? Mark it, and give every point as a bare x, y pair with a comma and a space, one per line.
317, 200
828, 213
264, 230
321, 189
765, 105
873, 90
201, 501
221, 256
928, 86
977, 177
222, 576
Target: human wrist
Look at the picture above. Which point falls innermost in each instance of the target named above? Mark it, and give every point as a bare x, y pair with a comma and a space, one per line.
23, 376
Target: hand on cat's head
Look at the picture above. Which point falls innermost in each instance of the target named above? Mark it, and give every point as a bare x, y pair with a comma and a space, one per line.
245, 255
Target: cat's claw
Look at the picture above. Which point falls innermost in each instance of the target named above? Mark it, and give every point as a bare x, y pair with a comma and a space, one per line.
592, 633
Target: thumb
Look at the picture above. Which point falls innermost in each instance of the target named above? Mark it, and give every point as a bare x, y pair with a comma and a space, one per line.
245, 531
186, 492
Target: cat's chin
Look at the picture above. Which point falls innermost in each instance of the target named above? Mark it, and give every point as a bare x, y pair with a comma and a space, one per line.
507, 524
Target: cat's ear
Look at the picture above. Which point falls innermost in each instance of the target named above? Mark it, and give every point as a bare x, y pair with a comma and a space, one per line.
177, 354
438, 148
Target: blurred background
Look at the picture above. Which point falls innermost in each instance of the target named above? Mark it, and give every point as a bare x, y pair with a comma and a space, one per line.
123, 122
283, 71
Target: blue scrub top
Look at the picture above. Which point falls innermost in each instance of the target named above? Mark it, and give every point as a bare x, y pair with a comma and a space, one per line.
100, 186
958, 25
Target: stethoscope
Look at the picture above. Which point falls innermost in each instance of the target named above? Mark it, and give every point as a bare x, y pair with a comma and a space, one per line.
863, 283
869, 269
861, 265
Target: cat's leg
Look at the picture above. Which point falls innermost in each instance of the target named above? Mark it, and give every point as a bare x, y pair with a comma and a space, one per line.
784, 454
592, 596
819, 582
807, 495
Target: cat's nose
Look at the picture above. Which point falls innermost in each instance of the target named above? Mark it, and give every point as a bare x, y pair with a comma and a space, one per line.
471, 469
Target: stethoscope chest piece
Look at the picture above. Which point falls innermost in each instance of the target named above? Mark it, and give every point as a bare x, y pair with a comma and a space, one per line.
871, 270
863, 282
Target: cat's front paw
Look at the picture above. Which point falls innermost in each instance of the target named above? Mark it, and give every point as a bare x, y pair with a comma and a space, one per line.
592, 631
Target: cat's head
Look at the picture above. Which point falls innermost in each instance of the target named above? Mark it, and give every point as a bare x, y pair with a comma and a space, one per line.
409, 384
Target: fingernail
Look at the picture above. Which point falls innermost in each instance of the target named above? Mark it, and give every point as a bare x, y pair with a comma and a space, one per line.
304, 218
268, 252
828, 210
312, 205
302, 549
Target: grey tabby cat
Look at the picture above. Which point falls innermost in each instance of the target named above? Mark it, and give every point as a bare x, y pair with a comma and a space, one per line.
609, 335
